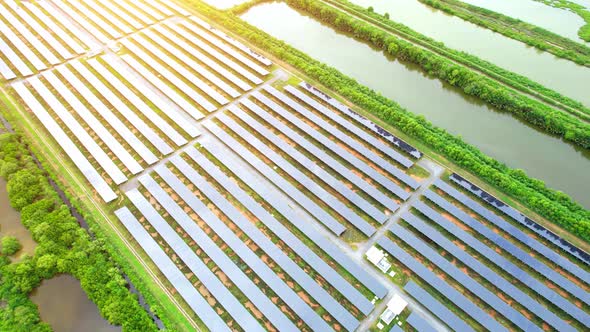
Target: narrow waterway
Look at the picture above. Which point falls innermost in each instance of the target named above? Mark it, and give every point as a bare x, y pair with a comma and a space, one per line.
499, 135
10, 224
558, 74
64, 305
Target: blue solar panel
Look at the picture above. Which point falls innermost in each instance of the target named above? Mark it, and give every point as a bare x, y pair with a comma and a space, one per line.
487, 273
511, 248
506, 265
295, 219
276, 254
324, 157
529, 223
321, 267
466, 281
336, 184
338, 150
347, 139
437, 308
215, 253
184, 287
440, 285
419, 323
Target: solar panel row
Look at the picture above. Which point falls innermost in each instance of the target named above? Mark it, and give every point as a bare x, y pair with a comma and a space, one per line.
509, 247
21, 47
295, 219
184, 287
263, 271
526, 279
322, 268
492, 300
347, 139
349, 126
362, 120
316, 169
532, 225
114, 22
310, 206
331, 145
440, 285
15, 60
419, 323
76, 12
264, 243
321, 155
77, 157
506, 286
437, 308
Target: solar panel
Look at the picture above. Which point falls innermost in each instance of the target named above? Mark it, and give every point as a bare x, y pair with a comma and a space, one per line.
39, 30
14, 59
350, 126
534, 226
217, 55
419, 323
511, 248
21, 47
322, 268
110, 118
49, 22
347, 139
164, 87
112, 21
29, 37
265, 244
114, 30
163, 9
463, 279
94, 149
56, 14
184, 287
103, 134
295, 219
440, 285
506, 265
299, 176
340, 187
136, 13
362, 120
260, 58
438, 309
506, 286
396, 328
175, 7
241, 249
187, 49
324, 157
122, 108
83, 21
224, 47
77, 157
130, 21
180, 68
341, 152
5, 71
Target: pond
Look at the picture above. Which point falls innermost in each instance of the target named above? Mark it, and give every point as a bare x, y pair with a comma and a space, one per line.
497, 134
10, 224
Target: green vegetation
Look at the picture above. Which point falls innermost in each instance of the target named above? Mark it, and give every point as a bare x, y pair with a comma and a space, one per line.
553, 205
63, 247
542, 116
584, 31
516, 29
10, 245
511, 79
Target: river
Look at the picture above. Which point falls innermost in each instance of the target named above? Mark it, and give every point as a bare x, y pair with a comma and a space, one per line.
64, 305
497, 134
10, 224
558, 74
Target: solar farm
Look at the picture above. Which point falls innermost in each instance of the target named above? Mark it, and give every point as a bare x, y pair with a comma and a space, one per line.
255, 195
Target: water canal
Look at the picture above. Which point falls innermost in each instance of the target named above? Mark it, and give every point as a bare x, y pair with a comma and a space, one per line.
497, 134
558, 74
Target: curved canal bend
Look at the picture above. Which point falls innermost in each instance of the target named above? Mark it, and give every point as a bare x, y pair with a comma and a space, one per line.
497, 134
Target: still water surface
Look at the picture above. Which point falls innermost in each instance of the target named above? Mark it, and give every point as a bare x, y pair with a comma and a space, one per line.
497, 134
10, 224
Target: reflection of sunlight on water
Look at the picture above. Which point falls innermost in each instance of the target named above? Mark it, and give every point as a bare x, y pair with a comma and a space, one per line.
11, 225
64, 305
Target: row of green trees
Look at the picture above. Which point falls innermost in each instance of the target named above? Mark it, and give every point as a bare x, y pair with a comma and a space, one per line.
555, 206
63, 247
553, 121
527, 33
499, 74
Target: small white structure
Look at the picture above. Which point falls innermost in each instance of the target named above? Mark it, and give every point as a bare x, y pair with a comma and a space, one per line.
395, 306
377, 257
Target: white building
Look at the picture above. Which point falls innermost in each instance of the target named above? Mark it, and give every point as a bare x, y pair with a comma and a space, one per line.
395, 306
377, 257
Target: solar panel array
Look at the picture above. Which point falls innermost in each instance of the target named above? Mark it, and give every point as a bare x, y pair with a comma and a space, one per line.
419, 323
